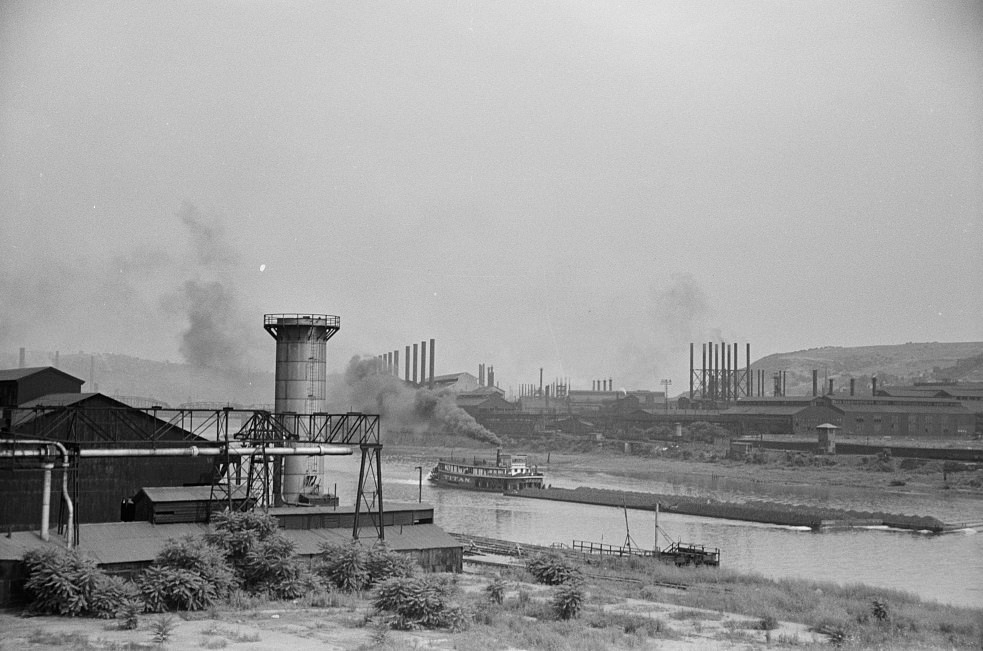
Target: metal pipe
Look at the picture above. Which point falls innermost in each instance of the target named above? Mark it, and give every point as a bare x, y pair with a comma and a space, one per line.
192, 451
46, 501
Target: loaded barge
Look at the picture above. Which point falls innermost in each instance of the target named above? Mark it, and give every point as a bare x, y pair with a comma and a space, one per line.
506, 473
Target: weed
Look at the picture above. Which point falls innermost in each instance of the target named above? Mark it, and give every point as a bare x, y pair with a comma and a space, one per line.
162, 628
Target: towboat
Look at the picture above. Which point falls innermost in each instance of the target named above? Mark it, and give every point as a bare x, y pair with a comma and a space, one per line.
503, 474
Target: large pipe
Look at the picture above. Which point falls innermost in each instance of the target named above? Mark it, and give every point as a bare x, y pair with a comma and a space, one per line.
46, 501
45, 507
191, 451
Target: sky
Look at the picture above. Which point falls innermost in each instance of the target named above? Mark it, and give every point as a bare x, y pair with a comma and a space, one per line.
582, 187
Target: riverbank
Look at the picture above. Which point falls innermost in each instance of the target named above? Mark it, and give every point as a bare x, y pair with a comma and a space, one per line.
628, 604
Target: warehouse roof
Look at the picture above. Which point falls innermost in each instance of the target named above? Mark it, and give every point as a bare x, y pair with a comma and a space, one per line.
20, 373
135, 542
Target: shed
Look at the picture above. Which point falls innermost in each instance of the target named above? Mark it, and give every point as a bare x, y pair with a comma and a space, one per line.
169, 504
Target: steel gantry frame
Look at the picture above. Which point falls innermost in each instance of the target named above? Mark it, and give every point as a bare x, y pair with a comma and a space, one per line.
262, 436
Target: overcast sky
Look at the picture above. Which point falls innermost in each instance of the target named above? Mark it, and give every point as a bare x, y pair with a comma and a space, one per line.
585, 187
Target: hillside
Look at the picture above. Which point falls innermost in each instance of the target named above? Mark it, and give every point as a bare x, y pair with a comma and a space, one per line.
164, 383
891, 364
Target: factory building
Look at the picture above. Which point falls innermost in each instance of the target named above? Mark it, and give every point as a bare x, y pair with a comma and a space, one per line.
56, 409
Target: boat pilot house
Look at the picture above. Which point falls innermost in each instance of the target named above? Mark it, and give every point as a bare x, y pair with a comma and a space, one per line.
508, 472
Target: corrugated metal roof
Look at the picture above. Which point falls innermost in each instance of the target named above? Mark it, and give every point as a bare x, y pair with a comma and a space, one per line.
161, 494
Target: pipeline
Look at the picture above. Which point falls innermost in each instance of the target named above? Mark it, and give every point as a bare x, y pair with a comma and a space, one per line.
192, 451
46, 501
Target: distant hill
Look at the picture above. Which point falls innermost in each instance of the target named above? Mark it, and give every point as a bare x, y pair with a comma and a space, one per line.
154, 382
893, 365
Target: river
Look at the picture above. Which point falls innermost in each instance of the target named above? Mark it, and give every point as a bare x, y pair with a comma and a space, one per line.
946, 568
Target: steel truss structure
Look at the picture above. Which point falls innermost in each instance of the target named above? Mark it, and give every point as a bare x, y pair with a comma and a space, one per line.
224, 432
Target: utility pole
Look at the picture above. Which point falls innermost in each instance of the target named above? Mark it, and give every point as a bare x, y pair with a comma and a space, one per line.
667, 383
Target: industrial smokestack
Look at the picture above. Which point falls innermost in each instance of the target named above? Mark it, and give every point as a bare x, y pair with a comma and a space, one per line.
416, 349
831, 386
396, 362
873, 386
815, 382
853, 382
491, 376
691, 354
540, 380
423, 363
433, 348
406, 375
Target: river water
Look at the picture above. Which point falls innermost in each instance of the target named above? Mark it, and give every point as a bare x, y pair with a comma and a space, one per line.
946, 568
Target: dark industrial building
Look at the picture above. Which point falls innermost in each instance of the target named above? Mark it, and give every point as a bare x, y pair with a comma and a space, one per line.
50, 406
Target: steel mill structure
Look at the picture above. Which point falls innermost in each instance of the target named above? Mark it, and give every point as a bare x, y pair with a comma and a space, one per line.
85, 452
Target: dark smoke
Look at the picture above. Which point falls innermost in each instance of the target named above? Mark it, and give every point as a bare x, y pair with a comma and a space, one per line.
220, 332
403, 407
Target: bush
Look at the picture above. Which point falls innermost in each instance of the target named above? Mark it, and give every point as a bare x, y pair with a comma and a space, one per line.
261, 558
419, 603
352, 568
193, 554
344, 566
171, 588
62, 582
496, 591
383, 564
568, 600
552, 569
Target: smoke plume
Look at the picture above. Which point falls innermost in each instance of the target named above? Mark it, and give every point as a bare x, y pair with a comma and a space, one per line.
402, 406
219, 332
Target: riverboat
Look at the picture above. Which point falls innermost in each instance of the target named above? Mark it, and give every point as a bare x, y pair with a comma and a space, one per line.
506, 473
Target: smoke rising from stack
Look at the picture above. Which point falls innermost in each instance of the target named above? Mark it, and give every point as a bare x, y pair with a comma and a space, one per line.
365, 388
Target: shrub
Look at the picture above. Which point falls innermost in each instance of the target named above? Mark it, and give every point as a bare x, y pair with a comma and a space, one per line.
568, 600
62, 582
418, 603
171, 588
260, 556
113, 595
344, 566
194, 554
496, 591
383, 563
552, 569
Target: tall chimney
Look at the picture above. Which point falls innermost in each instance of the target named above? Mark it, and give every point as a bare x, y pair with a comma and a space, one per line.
750, 378
416, 349
815, 382
491, 376
873, 386
831, 386
540, 381
423, 362
406, 375
433, 348
691, 370
853, 382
